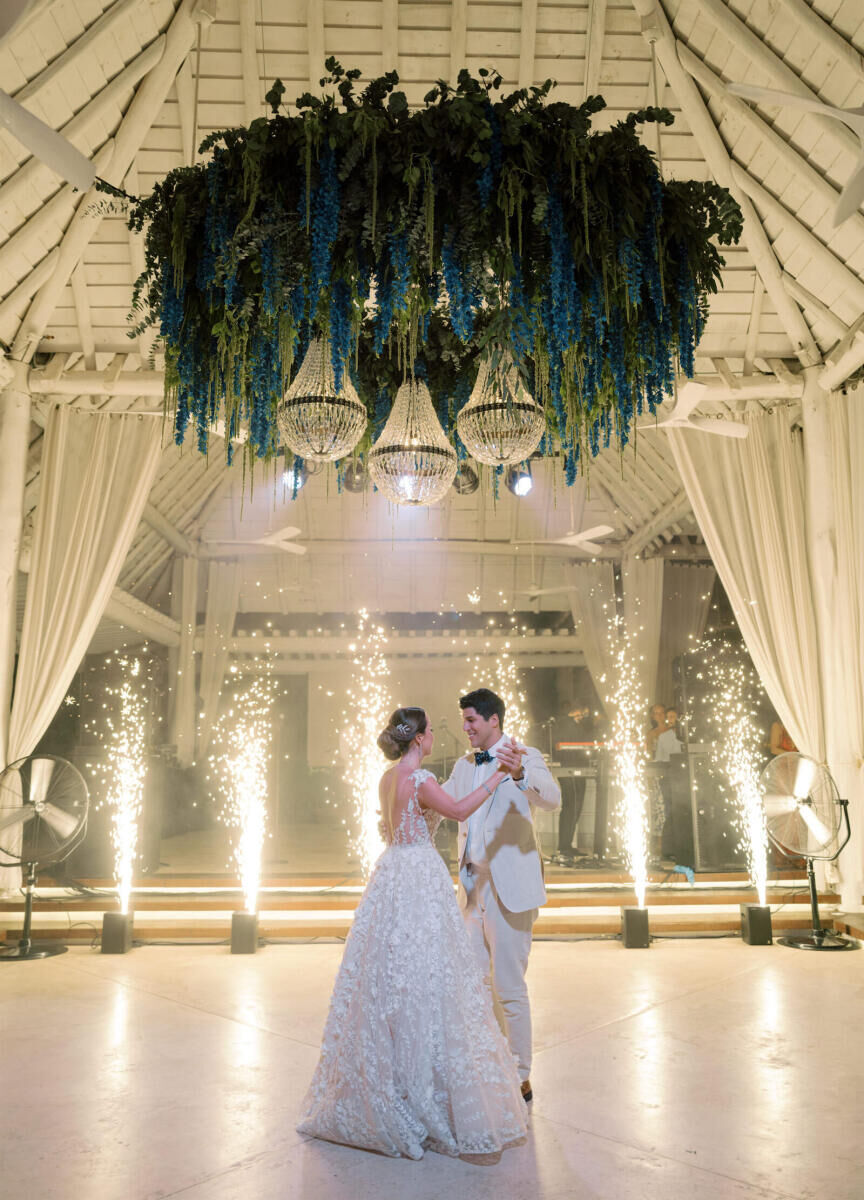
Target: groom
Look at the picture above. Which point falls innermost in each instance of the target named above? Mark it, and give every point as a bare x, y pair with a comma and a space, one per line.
500, 869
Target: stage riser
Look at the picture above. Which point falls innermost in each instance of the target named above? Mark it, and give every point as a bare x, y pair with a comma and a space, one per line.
580, 899
661, 924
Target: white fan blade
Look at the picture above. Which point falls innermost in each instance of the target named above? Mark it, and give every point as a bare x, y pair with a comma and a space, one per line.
534, 592
852, 196
690, 395
16, 816
278, 535
585, 536
776, 805
820, 831
49, 146
729, 429
806, 771
789, 100
64, 824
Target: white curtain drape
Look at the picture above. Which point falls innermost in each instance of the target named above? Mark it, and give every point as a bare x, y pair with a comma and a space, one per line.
642, 589
592, 602
749, 500
842, 625
96, 474
223, 590
686, 603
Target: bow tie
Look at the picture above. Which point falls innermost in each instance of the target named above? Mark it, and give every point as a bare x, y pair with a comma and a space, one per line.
483, 756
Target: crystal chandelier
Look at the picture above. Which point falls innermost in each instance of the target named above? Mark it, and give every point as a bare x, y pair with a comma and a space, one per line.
412, 462
501, 423
315, 420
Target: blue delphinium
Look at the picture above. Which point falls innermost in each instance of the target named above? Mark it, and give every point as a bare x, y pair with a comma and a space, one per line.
461, 315
340, 329
325, 227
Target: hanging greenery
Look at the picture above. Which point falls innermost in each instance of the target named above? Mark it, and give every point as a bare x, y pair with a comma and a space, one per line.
414, 241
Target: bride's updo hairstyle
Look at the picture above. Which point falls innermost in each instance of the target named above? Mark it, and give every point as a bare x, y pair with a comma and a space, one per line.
402, 728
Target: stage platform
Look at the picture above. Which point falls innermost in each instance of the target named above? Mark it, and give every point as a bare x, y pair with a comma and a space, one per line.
579, 904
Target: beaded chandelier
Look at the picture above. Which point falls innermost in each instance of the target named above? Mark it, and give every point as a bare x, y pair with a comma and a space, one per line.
501, 424
316, 420
412, 462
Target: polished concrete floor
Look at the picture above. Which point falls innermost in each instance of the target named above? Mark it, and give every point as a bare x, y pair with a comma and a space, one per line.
696, 1069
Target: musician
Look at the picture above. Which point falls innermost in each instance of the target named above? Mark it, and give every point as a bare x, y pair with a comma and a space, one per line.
580, 725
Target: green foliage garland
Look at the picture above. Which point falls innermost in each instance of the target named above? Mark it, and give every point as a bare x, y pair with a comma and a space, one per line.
416, 240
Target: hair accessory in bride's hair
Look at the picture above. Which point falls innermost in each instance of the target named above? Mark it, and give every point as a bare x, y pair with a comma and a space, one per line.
403, 729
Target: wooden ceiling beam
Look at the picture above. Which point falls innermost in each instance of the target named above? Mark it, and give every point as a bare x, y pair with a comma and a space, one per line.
836, 269
668, 516
527, 43
390, 35
782, 76
656, 28
134, 127
808, 300
315, 34
20, 187
594, 50
826, 35
249, 59
740, 110
118, 13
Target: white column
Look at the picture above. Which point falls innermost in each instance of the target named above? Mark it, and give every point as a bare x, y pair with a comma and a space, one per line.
185, 691
14, 445
821, 535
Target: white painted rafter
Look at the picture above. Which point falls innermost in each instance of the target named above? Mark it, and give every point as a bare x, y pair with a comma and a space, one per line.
803, 170
527, 43
133, 129
656, 29
315, 35
594, 52
249, 58
779, 72
826, 35
833, 266
458, 37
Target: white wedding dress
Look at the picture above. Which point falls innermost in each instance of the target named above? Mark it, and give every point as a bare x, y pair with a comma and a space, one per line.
412, 1057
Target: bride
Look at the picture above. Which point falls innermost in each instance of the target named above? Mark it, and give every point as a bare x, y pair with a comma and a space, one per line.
412, 1057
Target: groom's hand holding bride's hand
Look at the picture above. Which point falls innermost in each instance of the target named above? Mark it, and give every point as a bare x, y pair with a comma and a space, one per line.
510, 758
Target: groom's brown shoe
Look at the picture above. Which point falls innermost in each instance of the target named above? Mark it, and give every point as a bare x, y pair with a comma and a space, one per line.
527, 1094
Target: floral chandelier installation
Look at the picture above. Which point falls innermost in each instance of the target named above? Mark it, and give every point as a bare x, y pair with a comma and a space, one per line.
479, 233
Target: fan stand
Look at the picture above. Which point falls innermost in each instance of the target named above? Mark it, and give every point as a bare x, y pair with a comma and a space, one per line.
25, 949
817, 938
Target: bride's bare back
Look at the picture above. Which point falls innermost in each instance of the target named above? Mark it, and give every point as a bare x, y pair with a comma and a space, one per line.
413, 803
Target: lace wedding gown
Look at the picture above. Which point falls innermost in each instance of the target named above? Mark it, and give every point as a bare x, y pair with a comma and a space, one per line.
412, 1057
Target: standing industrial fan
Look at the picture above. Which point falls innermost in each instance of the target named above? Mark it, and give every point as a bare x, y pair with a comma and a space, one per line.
43, 817
805, 818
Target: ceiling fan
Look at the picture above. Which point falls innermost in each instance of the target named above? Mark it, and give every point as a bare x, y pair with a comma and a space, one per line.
689, 396
45, 143
852, 195
279, 539
581, 540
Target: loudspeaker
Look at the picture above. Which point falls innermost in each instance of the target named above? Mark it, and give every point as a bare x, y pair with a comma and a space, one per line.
756, 924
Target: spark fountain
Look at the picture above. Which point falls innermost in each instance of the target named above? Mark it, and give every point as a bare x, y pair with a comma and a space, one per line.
628, 774
123, 771
367, 712
239, 769
732, 716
